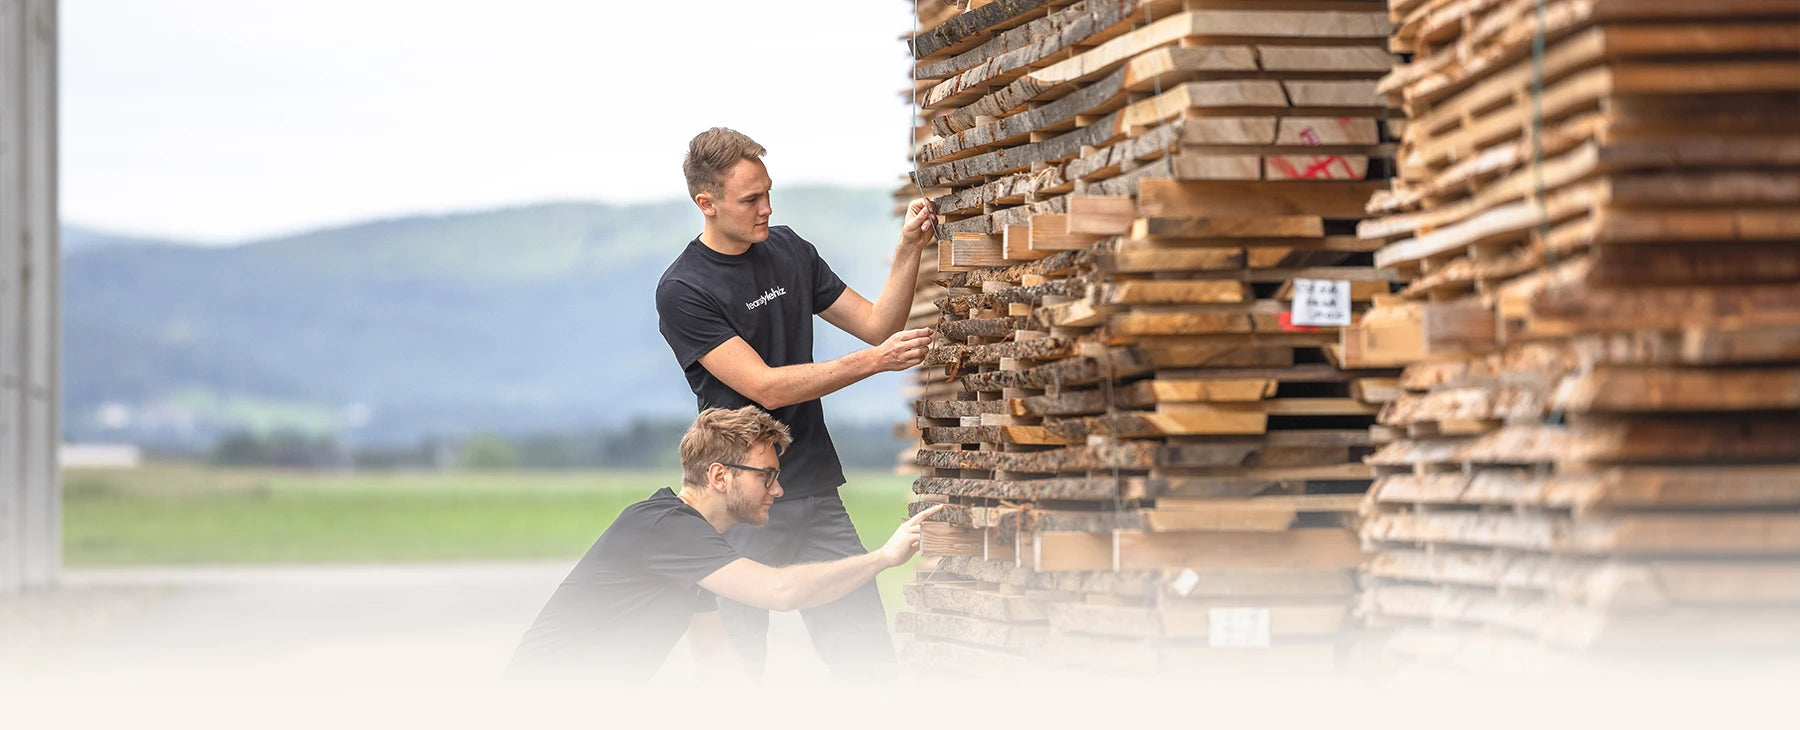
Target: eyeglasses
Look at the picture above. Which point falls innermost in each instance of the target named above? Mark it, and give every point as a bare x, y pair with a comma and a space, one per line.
769, 475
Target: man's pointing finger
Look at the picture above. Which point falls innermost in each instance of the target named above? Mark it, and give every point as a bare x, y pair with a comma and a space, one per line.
920, 517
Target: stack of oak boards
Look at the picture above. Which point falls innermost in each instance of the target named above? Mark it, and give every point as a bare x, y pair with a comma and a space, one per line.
1151, 466
1600, 452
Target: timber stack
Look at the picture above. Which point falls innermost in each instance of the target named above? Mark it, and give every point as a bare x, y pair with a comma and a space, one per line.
924, 385
1151, 465
1598, 210
927, 14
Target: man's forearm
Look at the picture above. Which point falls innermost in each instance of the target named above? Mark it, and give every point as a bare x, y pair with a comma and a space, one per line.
816, 584
895, 301
792, 384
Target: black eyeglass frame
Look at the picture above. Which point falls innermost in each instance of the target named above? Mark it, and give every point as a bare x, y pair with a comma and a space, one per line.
770, 475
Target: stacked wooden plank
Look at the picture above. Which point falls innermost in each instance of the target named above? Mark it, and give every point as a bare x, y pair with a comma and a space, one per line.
1150, 465
1601, 418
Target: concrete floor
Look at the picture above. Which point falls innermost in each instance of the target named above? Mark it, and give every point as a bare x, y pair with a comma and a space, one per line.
424, 646
384, 628
389, 646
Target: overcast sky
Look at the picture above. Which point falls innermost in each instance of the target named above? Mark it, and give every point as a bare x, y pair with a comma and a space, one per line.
224, 120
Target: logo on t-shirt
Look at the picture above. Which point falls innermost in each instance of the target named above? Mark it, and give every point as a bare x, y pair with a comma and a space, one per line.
764, 299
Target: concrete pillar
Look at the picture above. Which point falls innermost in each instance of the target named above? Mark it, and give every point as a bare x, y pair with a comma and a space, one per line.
30, 489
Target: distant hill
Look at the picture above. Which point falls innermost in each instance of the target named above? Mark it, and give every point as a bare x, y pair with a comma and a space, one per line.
515, 320
80, 239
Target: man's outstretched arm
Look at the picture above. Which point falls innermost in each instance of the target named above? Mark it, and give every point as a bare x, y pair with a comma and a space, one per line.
875, 322
798, 587
737, 365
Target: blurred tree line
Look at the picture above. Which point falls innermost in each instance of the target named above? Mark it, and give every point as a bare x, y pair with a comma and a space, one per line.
640, 444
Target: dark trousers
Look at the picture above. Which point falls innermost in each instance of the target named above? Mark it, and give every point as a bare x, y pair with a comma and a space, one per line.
850, 634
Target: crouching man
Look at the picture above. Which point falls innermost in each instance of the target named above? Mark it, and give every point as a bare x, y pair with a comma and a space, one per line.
656, 572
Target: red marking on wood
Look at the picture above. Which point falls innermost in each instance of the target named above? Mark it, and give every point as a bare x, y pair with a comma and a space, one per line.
1287, 324
1310, 137
1321, 167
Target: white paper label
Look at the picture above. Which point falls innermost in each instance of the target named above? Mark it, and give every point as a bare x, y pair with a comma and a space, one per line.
1186, 582
1237, 627
1321, 303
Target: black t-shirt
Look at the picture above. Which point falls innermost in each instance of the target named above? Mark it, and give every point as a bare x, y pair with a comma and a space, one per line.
768, 296
630, 598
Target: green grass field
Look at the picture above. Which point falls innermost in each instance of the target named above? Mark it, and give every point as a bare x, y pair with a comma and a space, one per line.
177, 514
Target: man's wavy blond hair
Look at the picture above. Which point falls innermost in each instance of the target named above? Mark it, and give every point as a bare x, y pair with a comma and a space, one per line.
724, 436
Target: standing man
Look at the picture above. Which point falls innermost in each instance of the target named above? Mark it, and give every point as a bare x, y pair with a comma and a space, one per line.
736, 308
652, 576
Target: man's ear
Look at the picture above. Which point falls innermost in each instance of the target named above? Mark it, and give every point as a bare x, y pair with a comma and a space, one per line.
708, 207
716, 474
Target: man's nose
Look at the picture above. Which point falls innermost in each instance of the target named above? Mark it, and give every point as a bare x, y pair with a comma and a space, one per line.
775, 489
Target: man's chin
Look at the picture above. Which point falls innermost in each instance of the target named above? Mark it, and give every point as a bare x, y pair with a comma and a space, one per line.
756, 519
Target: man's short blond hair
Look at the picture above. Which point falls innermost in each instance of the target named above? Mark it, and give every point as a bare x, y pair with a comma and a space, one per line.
724, 436
711, 154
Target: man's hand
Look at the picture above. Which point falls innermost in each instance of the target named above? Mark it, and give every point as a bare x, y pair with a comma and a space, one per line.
921, 221
905, 542
803, 586
903, 350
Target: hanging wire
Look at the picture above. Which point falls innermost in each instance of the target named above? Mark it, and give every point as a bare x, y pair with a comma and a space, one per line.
1538, 40
1537, 135
918, 111
912, 146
